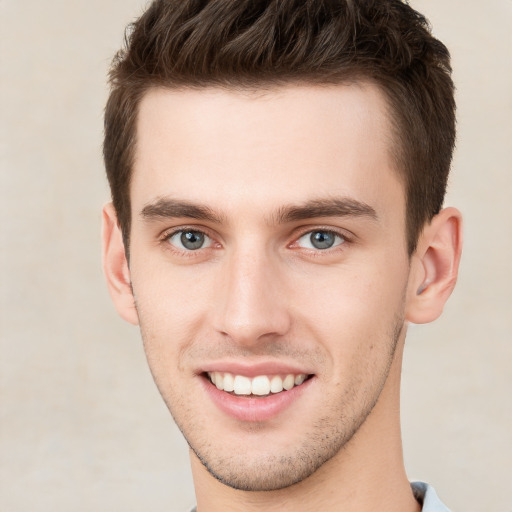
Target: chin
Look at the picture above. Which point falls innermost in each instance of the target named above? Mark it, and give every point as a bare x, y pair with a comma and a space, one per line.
269, 475
278, 467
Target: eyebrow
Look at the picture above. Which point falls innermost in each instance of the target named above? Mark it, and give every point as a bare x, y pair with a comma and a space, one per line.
330, 207
168, 208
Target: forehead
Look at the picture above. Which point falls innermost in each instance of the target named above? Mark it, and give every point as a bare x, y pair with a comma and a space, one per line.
242, 149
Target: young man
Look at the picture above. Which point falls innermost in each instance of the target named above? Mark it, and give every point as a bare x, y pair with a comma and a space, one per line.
277, 172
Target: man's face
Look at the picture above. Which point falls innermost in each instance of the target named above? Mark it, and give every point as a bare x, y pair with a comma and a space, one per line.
268, 248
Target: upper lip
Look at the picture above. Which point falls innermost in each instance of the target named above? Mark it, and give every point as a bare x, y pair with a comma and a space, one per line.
254, 369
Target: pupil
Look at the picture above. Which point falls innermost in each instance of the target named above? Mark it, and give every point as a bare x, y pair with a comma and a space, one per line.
192, 240
322, 239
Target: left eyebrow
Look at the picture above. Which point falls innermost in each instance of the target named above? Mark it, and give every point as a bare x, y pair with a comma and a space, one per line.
331, 207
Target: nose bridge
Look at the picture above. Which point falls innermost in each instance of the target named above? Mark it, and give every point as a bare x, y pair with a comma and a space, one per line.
251, 305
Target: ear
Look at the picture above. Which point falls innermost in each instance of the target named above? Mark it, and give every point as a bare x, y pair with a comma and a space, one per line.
115, 266
434, 267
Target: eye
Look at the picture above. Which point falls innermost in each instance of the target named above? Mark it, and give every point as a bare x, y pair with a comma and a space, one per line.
320, 240
189, 240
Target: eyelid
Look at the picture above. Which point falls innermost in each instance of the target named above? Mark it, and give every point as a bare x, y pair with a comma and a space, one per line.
175, 239
308, 244
305, 230
167, 234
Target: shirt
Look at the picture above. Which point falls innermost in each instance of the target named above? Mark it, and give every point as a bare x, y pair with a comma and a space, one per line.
426, 496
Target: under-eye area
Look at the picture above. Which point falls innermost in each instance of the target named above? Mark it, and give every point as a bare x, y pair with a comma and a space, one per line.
259, 386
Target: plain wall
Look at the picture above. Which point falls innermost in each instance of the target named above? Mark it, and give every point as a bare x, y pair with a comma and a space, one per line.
82, 426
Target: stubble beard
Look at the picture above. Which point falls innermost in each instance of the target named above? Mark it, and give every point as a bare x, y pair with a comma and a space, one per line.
327, 437
274, 472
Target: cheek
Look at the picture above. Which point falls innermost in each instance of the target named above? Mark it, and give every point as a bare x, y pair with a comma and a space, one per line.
166, 291
354, 305
172, 304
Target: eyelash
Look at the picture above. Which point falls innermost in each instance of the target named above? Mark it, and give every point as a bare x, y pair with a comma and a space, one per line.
166, 237
346, 239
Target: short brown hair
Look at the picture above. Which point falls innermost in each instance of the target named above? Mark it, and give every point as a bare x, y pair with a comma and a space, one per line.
250, 44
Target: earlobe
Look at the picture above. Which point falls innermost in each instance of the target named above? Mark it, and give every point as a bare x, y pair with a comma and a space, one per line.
434, 267
115, 266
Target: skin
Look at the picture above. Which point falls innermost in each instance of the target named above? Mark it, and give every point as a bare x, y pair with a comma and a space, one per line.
258, 292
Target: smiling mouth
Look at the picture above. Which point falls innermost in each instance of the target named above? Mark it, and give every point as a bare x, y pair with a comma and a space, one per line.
260, 386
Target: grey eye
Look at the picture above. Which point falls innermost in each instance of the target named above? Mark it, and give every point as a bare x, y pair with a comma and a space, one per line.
190, 240
320, 240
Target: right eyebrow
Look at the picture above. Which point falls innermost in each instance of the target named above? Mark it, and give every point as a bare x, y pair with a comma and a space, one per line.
167, 208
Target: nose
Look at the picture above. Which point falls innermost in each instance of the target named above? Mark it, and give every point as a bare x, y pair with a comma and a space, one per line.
251, 305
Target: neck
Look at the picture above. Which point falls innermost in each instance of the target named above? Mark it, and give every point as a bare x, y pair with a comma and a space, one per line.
366, 475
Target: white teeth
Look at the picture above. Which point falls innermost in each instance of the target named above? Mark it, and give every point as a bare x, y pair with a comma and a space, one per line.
219, 380
289, 382
242, 385
299, 379
276, 384
261, 385
229, 382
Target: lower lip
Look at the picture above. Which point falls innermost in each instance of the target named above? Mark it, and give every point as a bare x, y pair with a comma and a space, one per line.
254, 409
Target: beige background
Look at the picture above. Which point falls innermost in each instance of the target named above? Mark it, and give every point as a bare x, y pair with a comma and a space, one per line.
82, 426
